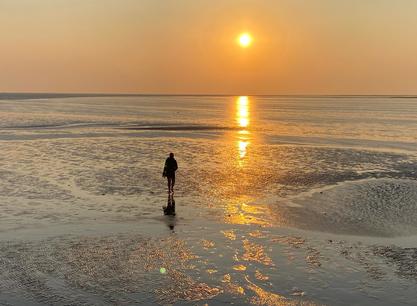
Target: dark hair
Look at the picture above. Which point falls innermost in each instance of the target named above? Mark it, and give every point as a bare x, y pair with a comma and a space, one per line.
171, 154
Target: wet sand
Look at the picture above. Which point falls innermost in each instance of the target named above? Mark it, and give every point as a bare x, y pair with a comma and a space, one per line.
258, 222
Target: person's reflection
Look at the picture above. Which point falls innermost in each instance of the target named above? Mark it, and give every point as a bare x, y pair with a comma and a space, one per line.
169, 210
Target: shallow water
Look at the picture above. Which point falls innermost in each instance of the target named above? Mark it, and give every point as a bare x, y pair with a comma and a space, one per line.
280, 200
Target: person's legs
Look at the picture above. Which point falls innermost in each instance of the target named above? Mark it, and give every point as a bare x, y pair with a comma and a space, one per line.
172, 182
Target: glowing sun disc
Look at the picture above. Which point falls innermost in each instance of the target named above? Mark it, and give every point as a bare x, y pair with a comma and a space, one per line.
245, 40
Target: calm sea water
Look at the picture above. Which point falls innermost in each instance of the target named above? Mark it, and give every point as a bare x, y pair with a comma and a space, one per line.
367, 121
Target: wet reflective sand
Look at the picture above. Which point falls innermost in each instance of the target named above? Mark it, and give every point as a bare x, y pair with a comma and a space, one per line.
266, 212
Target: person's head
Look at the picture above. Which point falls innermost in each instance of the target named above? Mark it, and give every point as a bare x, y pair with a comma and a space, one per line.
171, 155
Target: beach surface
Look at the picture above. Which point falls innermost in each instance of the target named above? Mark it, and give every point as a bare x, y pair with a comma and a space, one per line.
280, 200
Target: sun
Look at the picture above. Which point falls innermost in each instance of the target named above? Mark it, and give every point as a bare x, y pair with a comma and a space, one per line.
245, 40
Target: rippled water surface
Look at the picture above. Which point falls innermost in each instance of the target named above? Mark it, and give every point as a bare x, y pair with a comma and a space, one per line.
279, 200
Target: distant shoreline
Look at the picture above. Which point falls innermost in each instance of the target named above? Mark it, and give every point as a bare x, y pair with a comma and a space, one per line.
50, 95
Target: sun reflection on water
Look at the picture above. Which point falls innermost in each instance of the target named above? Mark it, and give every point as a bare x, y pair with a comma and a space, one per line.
243, 121
242, 148
239, 184
242, 113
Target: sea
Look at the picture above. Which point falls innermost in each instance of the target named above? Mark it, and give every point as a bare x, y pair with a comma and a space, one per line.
279, 200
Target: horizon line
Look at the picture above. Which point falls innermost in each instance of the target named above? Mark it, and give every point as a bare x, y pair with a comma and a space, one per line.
131, 94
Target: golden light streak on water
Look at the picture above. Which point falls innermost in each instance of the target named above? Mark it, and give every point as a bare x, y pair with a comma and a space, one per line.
242, 111
239, 211
243, 121
237, 184
242, 148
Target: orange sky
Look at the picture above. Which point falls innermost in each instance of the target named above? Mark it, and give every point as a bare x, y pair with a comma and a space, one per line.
167, 46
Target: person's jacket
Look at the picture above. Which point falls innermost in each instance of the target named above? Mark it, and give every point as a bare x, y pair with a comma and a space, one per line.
170, 167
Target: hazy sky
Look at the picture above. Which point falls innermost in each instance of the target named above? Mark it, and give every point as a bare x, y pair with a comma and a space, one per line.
189, 46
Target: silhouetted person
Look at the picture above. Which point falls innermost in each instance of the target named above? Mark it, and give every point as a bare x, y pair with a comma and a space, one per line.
169, 171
